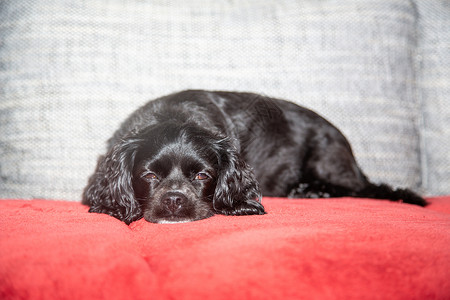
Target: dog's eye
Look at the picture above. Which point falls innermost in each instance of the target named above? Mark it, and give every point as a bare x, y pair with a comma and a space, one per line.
150, 176
201, 176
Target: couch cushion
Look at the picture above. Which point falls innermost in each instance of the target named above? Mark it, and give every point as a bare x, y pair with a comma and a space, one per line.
433, 79
302, 249
70, 71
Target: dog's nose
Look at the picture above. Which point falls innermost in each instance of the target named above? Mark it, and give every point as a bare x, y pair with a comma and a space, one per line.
174, 201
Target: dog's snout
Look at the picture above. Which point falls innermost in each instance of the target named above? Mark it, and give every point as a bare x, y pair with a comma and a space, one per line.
174, 201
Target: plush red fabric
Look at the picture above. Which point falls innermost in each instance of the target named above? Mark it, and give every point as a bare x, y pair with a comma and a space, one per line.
305, 249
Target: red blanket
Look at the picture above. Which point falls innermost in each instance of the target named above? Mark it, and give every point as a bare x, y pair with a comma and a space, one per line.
305, 249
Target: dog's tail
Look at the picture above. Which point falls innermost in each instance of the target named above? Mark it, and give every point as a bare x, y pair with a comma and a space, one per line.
384, 191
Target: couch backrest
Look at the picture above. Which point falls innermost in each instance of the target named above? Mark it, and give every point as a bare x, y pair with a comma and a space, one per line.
71, 71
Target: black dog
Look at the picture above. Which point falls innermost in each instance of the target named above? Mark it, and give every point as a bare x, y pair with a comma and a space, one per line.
190, 155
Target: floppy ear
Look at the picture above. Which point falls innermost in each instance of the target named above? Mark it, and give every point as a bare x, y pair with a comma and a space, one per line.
237, 190
110, 190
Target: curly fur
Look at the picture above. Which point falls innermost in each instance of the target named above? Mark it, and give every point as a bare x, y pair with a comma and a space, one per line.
193, 154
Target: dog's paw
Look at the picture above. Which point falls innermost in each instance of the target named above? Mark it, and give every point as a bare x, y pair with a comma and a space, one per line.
306, 190
317, 194
250, 207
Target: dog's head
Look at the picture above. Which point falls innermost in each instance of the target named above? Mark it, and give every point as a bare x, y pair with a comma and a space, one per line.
175, 174
170, 173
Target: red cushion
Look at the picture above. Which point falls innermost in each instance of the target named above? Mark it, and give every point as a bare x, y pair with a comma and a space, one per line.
312, 249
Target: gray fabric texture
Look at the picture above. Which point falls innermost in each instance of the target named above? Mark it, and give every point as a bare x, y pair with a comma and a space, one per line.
433, 87
71, 71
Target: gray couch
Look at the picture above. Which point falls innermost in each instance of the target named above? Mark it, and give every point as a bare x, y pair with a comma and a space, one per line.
71, 71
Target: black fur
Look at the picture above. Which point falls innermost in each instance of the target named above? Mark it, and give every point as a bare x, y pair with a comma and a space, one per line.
190, 155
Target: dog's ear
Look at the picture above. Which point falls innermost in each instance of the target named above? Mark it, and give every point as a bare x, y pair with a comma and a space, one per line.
110, 189
237, 190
